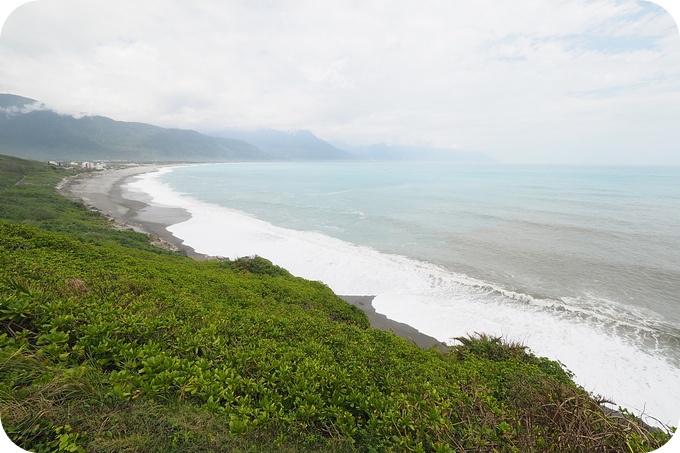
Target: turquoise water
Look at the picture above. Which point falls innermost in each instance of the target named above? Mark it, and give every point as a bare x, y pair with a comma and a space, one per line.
582, 262
555, 232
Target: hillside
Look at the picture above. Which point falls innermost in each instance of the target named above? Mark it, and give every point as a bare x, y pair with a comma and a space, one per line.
110, 344
29, 130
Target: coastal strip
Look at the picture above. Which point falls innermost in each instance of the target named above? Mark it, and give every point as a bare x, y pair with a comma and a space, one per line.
104, 192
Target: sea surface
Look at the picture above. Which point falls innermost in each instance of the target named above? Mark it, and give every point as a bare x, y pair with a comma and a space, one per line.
581, 264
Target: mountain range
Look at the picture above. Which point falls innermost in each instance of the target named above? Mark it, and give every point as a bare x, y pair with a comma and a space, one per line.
30, 130
294, 145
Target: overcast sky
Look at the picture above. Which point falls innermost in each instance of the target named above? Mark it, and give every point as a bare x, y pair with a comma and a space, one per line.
545, 81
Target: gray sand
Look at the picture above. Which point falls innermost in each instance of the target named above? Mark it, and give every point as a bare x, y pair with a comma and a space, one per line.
382, 322
105, 192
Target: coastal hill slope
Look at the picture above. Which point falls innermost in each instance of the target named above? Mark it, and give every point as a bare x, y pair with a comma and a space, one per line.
30, 130
108, 343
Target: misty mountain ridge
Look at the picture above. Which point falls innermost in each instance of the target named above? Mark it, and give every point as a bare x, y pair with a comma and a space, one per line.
304, 145
30, 130
288, 145
12, 100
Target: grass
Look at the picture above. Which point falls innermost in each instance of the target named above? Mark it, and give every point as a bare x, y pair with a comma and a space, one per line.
109, 344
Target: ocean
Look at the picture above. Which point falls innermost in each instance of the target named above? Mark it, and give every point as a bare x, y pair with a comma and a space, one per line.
581, 264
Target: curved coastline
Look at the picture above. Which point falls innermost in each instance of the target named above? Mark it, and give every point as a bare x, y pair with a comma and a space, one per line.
105, 192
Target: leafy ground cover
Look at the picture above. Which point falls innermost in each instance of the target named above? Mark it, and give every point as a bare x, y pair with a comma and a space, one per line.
108, 344
28, 196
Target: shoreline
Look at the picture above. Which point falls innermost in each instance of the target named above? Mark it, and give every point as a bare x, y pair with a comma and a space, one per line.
105, 193
382, 322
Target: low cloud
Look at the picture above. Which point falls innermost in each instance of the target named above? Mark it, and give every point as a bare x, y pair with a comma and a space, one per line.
23, 109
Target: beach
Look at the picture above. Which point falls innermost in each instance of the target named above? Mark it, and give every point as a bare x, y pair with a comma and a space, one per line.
105, 192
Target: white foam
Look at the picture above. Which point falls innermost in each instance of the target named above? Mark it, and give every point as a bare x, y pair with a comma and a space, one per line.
433, 300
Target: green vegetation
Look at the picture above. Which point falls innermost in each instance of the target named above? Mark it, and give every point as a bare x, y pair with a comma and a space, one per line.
107, 344
28, 196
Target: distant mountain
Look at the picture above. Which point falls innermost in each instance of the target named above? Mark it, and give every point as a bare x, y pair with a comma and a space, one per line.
295, 146
29, 130
382, 152
10, 102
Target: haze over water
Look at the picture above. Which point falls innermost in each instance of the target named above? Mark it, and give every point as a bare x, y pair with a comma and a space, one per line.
582, 264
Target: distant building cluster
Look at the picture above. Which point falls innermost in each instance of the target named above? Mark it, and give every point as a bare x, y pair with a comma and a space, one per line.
77, 165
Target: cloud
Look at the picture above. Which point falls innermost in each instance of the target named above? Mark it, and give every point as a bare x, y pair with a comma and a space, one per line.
14, 110
523, 81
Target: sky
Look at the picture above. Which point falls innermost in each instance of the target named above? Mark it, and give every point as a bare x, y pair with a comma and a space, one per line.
523, 81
